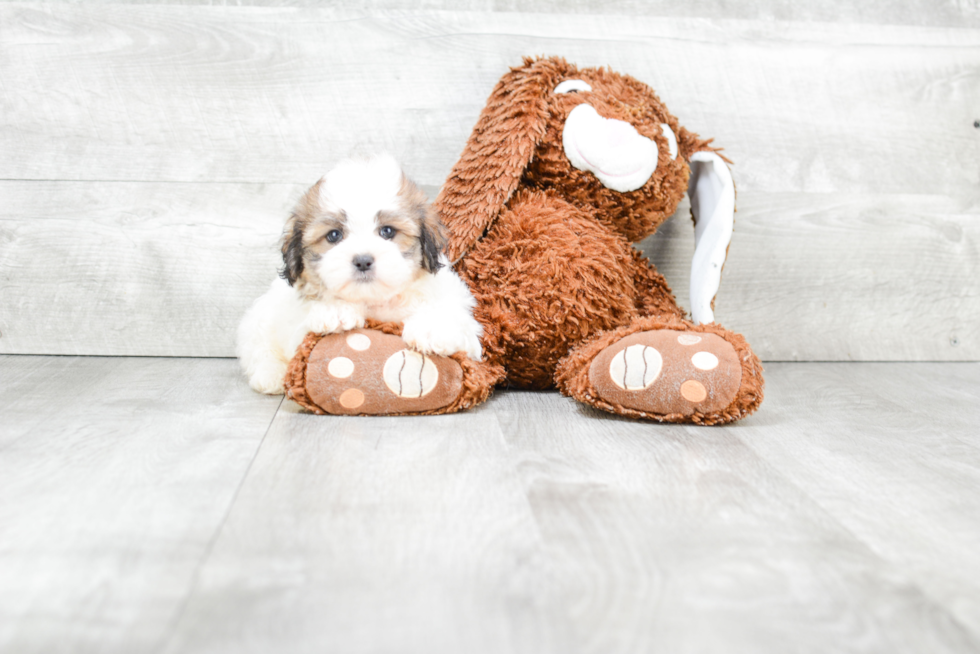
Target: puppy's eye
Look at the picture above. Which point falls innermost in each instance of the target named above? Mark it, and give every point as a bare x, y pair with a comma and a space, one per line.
572, 85
387, 232
334, 235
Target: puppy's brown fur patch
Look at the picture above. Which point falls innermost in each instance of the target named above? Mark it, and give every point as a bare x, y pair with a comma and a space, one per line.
304, 240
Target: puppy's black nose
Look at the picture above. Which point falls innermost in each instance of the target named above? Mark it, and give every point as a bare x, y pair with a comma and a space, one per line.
363, 262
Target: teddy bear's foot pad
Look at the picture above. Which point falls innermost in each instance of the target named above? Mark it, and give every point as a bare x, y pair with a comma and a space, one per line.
368, 372
667, 372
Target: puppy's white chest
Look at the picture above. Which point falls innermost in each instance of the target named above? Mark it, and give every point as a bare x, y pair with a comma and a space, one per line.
395, 310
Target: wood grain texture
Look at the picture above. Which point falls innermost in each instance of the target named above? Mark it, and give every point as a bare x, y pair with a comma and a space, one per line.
858, 165
117, 473
947, 13
894, 456
169, 269
374, 535
837, 519
830, 277
683, 539
537, 525
256, 95
135, 268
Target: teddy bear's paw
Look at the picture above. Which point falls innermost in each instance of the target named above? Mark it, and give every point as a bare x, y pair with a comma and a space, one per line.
667, 372
368, 372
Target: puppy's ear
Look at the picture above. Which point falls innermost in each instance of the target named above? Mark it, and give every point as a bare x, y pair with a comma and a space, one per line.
501, 146
292, 235
431, 241
431, 237
292, 251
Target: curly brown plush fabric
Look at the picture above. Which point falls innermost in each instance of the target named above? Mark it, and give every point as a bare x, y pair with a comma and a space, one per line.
546, 248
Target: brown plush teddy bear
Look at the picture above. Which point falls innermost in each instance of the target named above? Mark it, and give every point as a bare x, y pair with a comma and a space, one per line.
564, 169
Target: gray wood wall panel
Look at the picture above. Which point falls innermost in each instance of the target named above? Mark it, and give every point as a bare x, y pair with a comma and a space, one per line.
829, 277
169, 269
257, 95
135, 268
190, 131
947, 13
117, 474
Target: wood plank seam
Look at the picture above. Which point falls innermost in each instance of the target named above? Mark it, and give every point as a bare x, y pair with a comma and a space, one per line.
206, 554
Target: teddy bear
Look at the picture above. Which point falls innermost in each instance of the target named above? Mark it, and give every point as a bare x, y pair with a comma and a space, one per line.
564, 170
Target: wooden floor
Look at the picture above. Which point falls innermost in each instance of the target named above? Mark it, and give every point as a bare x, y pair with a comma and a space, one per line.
158, 505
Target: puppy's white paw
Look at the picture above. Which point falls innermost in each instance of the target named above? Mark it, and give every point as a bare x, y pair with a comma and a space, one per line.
333, 318
435, 334
473, 349
268, 378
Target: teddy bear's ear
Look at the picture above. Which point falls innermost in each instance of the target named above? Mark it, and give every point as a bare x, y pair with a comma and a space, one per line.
712, 194
499, 149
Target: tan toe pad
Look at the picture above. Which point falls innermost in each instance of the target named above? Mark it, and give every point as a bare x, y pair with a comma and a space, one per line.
668, 372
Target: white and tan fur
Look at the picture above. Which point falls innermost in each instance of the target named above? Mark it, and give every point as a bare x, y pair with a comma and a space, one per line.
361, 244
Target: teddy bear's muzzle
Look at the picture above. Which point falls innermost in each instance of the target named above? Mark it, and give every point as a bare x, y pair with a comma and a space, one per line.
619, 156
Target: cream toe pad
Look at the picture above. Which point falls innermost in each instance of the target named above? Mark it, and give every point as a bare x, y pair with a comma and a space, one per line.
359, 342
636, 367
410, 374
705, 361
341, 367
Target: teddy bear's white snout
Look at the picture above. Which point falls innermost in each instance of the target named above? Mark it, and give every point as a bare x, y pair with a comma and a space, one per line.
619, 156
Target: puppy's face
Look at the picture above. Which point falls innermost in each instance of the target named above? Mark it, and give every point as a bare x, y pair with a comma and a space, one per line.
361, 234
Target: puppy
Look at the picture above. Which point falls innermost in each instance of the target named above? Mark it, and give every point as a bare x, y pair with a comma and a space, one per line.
362, 243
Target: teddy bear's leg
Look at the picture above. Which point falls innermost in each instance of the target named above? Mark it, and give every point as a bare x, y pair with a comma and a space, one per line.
653, 294
547, 276
665, 369
374, 372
